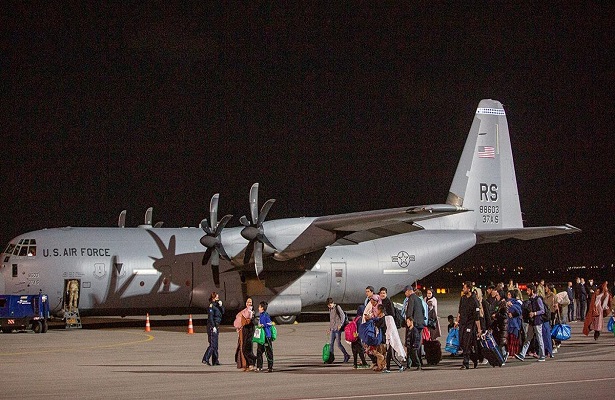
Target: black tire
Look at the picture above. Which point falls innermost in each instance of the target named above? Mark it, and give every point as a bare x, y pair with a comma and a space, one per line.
37, 326
45, 326
7, 330
285, 319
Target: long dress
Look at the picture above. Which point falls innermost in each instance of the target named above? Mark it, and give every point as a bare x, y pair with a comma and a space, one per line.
594, 319
432, 307
244, 354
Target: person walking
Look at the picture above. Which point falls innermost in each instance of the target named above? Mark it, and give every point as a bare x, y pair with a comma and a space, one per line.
264, 321
433, 322
599, 307
336, 319
537, 309
515, 324
571, 306
244, 355
468, 321
214, 318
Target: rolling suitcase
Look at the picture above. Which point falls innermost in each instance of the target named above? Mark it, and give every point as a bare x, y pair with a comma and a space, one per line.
491, 351
433, 351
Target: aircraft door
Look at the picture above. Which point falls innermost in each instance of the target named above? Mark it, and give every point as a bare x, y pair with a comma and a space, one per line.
338, 281
175, 283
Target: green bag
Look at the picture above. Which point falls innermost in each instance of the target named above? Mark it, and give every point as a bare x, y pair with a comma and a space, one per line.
274, 333
327, 356
259, 335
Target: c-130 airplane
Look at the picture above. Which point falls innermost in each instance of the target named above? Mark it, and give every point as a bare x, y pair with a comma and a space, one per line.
292, 263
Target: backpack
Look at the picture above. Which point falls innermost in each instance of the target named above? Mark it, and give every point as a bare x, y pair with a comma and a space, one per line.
343, 317
399, 318
369, 334
350, 331
546, 317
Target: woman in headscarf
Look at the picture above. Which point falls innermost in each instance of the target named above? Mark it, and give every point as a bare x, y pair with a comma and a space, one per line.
433, 322
244, 355
515, 324
599, 307
370, 312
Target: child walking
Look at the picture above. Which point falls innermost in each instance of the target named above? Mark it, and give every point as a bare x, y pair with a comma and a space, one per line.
264, 321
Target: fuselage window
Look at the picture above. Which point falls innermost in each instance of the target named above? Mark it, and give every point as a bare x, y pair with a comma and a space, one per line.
14, 270
23, 251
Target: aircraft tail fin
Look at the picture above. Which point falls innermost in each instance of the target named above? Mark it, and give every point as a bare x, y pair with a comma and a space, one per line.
485, 180
485, 183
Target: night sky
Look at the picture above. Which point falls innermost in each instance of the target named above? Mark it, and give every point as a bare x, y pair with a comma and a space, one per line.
332, 108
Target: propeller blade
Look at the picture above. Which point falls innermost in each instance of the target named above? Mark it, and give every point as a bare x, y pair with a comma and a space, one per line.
215, 268
215, 271
258, 257
244, 221
121, 221
148, 216
213, 210
205, 226
266, 241
222, 224
206, 256
254, 202
248, 253
264, 211
172, 245
215, 261
222, 252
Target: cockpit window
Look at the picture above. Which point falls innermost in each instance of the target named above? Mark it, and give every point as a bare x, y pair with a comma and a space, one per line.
25, 248
9, 248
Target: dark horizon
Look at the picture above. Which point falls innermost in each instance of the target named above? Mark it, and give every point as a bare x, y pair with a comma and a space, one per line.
332, 108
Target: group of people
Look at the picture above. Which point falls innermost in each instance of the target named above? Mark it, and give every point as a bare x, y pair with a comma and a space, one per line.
245, 323
419, 316
523, 327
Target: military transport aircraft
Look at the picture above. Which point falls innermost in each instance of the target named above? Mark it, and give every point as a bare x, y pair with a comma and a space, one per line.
292, 263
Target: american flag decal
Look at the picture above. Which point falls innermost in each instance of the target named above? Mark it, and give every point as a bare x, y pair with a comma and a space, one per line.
486, 152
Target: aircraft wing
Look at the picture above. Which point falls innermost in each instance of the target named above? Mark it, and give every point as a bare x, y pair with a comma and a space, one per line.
357, 227
525, 233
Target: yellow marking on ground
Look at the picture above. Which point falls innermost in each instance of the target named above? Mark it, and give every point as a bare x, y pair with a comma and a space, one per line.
147, 338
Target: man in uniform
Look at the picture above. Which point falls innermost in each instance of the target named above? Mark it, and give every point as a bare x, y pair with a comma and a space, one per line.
73, 294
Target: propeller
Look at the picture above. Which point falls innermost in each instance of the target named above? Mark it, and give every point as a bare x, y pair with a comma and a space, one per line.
254, 232
211, 240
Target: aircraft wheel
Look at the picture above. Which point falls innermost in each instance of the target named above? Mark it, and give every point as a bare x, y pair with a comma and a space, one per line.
45, 326
37, 327
7, 330
285, 319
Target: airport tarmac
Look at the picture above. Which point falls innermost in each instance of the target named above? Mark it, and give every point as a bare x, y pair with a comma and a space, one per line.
127, 362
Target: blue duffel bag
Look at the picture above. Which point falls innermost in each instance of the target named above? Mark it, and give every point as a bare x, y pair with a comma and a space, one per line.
561, 332
369, 334
452, 341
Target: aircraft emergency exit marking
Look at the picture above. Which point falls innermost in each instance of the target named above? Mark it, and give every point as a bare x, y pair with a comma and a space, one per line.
75, 252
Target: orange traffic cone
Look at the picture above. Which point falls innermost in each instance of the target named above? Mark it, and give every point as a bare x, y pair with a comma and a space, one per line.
190, 327
147, 326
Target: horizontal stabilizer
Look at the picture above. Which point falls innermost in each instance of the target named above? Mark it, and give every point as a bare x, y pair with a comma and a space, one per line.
524, 233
